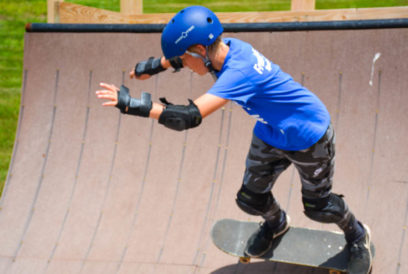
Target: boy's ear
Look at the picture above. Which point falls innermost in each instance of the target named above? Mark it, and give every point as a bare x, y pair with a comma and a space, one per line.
200, 49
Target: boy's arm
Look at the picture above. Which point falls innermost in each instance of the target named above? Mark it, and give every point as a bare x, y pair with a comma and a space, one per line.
144, 69
156, 111
177, 117
206, 104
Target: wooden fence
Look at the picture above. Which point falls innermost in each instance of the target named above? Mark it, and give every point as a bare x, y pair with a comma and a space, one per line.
131, 11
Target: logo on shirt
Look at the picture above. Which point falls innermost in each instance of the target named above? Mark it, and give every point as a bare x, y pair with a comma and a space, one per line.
262, 63
255, 115
184, 34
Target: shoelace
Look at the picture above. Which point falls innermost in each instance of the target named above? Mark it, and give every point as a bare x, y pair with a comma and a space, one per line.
264, 230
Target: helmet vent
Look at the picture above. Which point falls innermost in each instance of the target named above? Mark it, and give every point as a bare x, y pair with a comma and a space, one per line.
209, 20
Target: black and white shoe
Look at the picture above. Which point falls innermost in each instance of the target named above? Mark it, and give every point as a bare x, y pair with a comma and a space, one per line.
360, 261
262, 240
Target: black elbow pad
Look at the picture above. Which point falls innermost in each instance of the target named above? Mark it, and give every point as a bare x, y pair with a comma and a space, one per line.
180, 117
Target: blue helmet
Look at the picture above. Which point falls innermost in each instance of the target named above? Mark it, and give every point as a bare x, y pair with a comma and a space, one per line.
190, 26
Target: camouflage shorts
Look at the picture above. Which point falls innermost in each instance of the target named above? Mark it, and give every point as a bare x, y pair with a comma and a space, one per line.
315, 165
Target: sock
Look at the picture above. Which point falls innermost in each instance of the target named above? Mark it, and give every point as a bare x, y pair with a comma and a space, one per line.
277, 220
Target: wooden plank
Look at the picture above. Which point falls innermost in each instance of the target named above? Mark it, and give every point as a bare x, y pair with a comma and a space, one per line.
130, 7
73, 13
302, 5
52, 10
316, 15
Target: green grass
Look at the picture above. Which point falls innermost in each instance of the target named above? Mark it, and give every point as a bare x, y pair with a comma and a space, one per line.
165, 6
15, 14
216, 5
113, 5
346, 4
13, 17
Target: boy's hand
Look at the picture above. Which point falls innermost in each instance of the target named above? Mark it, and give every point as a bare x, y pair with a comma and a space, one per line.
132, 75
121, 99
110, 92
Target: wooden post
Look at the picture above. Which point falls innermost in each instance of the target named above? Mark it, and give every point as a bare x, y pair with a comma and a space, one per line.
131, 7
52, 10
302, 5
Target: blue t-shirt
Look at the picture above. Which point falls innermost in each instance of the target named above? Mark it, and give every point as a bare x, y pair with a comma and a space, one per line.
290, 117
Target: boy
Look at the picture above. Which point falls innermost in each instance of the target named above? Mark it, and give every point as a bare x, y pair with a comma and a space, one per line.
293, 126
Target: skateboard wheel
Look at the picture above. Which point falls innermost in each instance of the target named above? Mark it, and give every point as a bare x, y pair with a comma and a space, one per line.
244, 260
334, 271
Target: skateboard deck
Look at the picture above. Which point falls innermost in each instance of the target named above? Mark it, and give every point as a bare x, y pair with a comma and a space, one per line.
298, 246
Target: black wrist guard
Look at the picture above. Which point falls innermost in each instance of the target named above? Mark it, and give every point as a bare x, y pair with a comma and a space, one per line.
133, 106
176, 63
179, 117
151, 66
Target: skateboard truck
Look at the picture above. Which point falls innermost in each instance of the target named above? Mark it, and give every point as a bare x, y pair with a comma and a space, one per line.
244, 260
331, 271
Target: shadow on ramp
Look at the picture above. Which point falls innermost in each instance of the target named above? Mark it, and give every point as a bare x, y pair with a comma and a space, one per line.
267, 267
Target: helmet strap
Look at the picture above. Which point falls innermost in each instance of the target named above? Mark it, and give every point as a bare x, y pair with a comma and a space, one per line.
206, 60
208, 64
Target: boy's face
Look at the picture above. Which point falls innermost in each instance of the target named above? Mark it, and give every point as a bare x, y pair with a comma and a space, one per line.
192, 59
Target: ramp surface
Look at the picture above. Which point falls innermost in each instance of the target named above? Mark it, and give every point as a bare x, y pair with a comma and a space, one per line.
91, 191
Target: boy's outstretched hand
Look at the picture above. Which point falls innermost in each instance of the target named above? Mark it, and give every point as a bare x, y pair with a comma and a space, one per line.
132, 75
110, 93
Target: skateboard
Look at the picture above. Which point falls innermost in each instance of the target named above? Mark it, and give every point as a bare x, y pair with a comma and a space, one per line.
298, 246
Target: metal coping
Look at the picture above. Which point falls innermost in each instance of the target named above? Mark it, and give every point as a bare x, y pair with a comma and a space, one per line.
228, 27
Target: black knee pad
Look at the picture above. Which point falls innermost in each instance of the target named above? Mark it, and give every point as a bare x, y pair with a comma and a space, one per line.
257, 204
331, 209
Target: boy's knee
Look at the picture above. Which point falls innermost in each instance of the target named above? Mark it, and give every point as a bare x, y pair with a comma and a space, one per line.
330, 209
257, 204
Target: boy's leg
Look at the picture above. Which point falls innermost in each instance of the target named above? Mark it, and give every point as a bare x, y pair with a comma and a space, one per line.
316, 167
263, 166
